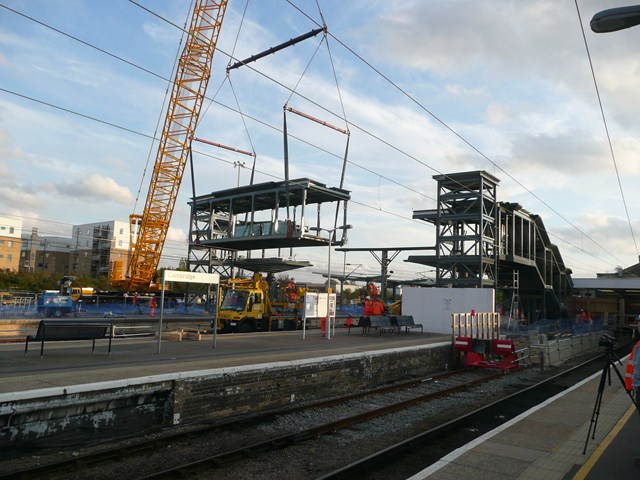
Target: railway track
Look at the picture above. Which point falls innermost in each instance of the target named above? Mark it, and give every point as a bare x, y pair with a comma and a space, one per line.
420, 451
354, 409
281, 433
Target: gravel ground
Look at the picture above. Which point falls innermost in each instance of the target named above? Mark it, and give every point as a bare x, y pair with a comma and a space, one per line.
310, 459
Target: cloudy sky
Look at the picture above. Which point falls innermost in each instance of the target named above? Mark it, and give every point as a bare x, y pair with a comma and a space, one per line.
427, 87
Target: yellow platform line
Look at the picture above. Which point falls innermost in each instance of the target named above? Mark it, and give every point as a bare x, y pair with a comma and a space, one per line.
597, 453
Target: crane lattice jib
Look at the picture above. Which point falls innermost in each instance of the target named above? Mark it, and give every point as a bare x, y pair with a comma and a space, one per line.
149, 230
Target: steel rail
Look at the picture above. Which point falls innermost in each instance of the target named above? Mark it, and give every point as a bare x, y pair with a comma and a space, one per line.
475, 424
214, 461
105, 455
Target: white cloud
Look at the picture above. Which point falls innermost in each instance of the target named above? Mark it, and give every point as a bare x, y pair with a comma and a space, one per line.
96, 188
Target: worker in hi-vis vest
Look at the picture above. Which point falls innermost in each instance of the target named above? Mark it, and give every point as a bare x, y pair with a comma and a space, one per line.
632, 371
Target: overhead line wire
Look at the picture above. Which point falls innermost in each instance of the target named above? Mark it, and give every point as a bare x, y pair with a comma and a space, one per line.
282, 85
606, 129
451, 130
388, 212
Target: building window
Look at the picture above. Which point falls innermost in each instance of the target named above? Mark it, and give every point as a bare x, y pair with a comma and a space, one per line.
9, 257
119, 243
122, 231
10, 229
9, 244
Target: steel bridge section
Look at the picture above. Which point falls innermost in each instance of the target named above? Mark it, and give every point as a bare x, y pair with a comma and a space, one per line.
270, 215
480, 242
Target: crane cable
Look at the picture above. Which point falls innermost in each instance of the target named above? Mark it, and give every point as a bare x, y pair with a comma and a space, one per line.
285, 130
346, 122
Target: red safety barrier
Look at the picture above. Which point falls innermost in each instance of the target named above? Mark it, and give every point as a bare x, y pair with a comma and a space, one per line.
483, 353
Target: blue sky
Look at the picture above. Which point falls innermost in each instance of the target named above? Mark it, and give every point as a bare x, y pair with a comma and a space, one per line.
511, 78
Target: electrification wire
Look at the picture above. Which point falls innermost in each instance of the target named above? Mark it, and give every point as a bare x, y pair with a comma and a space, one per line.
606, 129
124, 60
161, 113
147, 136
83, 115
264, 173
454, 132
435, 117
399, 150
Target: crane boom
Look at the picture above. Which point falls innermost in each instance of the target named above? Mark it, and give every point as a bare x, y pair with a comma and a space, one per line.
149, 230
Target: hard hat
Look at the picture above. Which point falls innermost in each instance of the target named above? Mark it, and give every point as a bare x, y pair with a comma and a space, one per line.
368, 297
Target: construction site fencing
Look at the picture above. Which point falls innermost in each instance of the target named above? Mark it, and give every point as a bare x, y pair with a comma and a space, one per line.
20, 307
109, 306
481, 325
557, 351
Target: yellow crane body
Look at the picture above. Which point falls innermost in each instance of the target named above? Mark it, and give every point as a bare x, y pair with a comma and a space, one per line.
149, 230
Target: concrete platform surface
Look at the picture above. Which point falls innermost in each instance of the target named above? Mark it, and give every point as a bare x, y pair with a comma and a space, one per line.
72, 363
547, 442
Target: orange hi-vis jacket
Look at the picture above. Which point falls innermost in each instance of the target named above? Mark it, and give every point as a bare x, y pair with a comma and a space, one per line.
367, 308
377, 308
628, 374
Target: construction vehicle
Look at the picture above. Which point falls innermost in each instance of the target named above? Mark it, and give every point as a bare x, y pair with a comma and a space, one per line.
7, 299
52, 304
61, 303
148, 231
247, 307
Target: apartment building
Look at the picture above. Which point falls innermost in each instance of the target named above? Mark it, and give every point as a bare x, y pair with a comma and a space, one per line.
10, 232
97, 245
90, 250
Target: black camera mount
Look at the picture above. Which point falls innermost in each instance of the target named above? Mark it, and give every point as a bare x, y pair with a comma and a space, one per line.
608, 342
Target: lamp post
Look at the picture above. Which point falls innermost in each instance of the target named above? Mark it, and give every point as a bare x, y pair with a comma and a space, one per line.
239, 165
344, 278
331, 232
614, 19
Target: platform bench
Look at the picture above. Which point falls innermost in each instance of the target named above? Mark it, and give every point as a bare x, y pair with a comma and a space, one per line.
64, 330
384, 324
408, 323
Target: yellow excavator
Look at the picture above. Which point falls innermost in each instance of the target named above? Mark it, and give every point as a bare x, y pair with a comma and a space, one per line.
149, 230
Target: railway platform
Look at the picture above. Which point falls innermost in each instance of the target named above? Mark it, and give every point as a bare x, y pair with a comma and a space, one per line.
71, 363
546, 442
549, 442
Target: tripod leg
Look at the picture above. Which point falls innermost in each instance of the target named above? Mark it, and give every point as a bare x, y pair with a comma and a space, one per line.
596, 408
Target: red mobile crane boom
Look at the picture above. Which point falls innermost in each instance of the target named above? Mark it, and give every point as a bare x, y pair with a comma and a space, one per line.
149, 230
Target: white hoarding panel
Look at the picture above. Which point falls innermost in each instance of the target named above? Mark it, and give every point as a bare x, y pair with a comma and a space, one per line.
433, 307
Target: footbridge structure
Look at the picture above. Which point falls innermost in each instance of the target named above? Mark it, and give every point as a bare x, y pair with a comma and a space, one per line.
484, 243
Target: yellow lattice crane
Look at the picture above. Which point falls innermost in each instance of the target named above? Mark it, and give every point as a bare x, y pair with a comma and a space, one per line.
149, 230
